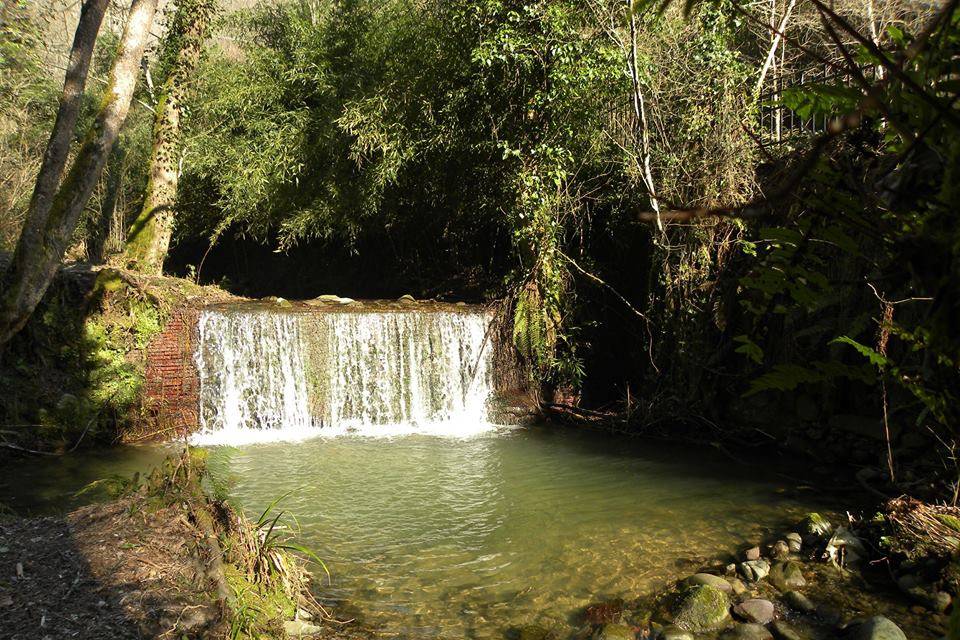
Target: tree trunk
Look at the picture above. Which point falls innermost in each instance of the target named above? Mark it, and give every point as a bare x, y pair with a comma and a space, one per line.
58, 147
38, 257
640, 114
149, 237
101, 228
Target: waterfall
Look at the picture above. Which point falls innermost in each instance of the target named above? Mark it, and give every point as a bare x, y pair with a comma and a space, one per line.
269, 374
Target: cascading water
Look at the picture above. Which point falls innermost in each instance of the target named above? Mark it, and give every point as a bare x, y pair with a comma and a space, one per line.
270, 375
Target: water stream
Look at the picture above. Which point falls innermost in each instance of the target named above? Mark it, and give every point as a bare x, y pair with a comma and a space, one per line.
434, 522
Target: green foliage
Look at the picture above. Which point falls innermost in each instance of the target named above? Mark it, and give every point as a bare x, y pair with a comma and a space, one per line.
857, 283
77, 370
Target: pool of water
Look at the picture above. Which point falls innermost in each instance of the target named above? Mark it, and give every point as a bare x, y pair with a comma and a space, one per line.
434, 537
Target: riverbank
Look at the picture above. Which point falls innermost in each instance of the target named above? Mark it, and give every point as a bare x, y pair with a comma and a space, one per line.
820, 581
161, 560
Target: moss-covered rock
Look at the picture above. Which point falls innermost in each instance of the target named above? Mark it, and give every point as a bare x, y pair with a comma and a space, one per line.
701, 608
787, 576
814, 528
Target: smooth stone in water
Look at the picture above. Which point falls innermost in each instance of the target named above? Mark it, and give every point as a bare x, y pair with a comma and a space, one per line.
798, 602
787, 576
614, 632
709, 579
674, 633
701, 608
794, 541
783, 631
747, 632
875, 628
754, 610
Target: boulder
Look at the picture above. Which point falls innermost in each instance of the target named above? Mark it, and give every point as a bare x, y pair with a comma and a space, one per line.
875, 628
614, 632
787, 576
753, 553
798, 602
754, 610
747, 632
755, 570
701, 608
710, 579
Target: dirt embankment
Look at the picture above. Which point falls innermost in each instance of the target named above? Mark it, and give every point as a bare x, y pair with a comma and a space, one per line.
165, 560
105, 571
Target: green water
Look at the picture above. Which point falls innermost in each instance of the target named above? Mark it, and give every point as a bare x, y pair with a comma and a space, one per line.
467, 538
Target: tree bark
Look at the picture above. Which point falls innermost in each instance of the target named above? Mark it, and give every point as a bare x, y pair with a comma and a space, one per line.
58, 147
37, 257
640, 114
149, 237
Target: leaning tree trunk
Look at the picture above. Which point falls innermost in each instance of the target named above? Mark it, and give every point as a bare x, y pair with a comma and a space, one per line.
58, 147
38, 257
149, 237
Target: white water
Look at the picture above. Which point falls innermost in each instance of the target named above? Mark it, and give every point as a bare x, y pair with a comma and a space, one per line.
270, 375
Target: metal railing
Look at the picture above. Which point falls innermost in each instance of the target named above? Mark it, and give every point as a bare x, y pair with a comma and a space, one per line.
778, 123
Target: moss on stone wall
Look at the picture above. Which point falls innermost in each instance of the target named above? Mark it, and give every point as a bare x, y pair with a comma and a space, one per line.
75, 374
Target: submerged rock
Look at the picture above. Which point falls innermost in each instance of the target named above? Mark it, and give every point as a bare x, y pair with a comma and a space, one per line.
754, 610
709, 579
875, 628
748, 631
675, 633
783, 631
798, 602
536, 632
787, 576
614, 632
407, 299
701, 608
